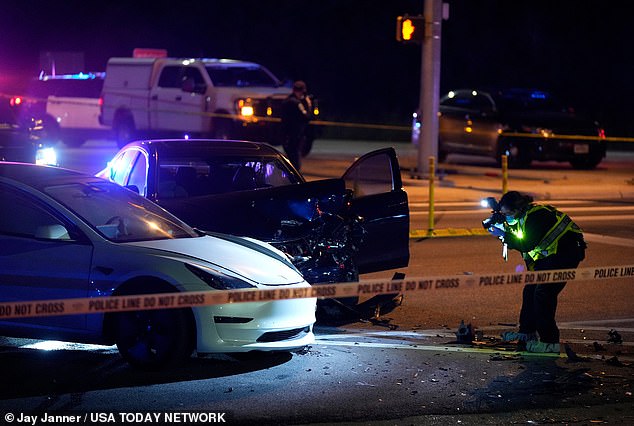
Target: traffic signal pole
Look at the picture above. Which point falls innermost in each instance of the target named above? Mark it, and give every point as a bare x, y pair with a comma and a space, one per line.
430, 86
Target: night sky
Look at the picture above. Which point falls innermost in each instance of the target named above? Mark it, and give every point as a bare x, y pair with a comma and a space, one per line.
346, 49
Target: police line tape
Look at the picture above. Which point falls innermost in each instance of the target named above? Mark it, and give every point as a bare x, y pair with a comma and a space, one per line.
256, 118
106, 304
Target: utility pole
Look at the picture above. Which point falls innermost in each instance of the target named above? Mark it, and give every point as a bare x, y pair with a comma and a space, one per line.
430, 86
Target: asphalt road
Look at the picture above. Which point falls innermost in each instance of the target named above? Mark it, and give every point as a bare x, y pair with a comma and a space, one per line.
405, 366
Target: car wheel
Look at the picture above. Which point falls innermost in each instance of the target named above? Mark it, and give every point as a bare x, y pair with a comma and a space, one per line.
153, 339
124, 130
585, 163
344, 309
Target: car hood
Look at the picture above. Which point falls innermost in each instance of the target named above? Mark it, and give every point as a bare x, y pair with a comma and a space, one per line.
270, 214
253, 261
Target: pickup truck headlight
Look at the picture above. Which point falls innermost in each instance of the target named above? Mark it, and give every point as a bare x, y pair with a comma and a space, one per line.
245, 108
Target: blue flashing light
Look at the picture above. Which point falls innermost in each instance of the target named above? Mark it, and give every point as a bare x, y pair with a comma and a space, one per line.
78, 76
539, 95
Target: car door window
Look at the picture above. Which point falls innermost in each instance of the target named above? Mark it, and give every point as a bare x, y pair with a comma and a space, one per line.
373, 175
138, 175
122, 166
464, 101
171, 77
379, 199
195, 78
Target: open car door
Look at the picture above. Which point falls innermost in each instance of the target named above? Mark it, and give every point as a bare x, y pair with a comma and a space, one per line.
379, 198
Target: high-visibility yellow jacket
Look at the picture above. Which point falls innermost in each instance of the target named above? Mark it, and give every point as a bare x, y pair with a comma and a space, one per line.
538, 232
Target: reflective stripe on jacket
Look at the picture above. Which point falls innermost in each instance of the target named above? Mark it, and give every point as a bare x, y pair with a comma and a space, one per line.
548, 244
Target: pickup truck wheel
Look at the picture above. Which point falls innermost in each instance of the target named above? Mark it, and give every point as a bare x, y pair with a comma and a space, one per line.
123, 131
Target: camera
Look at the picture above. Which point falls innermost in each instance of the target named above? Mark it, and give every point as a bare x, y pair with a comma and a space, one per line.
496, 217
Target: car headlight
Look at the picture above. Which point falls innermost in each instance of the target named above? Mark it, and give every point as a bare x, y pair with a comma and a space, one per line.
218, 280
46, 156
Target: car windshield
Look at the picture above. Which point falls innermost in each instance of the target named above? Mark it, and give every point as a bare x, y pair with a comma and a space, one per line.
243, 76
117, 213
528, 100
190, 177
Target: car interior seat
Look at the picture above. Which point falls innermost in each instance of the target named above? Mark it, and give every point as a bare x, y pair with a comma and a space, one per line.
244, 179
186, 179
52, 232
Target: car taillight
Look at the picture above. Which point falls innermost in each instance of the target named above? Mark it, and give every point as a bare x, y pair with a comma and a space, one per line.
15, 101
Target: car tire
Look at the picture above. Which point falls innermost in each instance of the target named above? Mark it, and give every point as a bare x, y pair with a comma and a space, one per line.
586, 163
124, 130
153, 339
341, 310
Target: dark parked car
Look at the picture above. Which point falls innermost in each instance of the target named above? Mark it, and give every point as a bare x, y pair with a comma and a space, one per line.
333, 229
524, 124
23, 140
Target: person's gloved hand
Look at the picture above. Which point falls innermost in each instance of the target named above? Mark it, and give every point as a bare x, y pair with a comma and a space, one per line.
494, 230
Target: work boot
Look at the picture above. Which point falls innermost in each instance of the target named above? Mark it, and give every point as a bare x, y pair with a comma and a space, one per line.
511, 336
542, 347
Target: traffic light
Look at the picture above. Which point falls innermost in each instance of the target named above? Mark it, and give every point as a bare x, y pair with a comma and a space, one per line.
410, 28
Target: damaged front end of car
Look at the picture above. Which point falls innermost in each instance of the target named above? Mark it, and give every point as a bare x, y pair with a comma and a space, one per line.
313, 223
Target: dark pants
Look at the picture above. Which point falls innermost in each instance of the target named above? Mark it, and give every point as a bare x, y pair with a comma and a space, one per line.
539, 301
294, 140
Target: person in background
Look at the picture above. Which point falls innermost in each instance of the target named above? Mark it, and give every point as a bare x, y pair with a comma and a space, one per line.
296, 115
547, 239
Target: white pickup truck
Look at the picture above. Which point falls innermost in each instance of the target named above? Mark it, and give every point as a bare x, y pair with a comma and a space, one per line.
178, 97
67, 106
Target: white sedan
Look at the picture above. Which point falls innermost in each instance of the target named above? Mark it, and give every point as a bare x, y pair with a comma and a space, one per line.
68, 235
